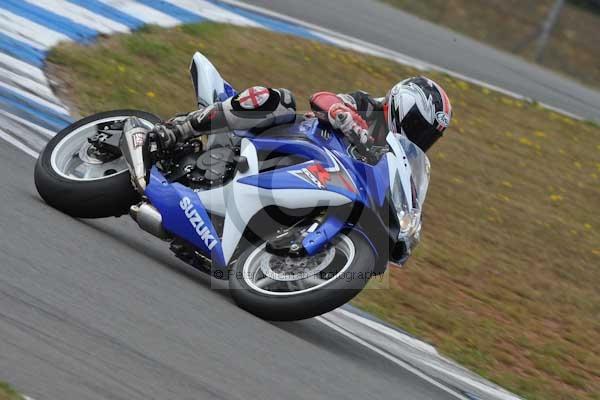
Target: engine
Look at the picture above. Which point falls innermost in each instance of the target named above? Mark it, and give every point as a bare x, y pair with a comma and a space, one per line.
205, 169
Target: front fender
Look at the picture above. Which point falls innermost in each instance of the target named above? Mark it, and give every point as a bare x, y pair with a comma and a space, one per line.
373, 227
333, 226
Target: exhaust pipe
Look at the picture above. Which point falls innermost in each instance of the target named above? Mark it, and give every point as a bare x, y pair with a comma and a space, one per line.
131, 145
149, 219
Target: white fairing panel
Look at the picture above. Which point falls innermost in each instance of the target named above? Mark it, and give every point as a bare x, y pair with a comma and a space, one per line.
396, 165
239, 202
207, 81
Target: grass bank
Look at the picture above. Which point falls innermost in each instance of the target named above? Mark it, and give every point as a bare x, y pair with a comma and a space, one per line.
506, 278
512, 24
8, 393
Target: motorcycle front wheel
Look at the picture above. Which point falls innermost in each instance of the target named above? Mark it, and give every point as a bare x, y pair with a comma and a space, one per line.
72, 176
280, 288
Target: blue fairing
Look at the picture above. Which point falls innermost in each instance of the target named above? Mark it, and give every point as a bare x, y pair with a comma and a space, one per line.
310, 139
229, 92
284, 178
375, 178
184, 216
320, 145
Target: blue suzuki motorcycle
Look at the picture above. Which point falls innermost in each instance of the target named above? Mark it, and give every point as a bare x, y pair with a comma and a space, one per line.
293, 217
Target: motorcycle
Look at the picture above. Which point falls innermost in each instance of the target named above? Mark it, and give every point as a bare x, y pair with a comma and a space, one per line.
294, 217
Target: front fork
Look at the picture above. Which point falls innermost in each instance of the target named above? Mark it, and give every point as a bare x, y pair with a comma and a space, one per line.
133, 148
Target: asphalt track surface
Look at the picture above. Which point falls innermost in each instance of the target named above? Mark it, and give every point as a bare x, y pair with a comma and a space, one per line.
100, 310
378, 23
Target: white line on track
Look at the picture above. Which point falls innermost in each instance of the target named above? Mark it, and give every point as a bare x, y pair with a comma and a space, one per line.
392, 333
497, 393
362, 46
19, 81
23, 68
9, 28
393, 359
416, 353
43, 131
26, 149
43, 102
28, 31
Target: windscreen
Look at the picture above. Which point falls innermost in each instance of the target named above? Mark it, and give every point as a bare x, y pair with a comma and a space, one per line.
419, 164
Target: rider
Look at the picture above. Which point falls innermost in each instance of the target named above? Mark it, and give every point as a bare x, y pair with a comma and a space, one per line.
416, 107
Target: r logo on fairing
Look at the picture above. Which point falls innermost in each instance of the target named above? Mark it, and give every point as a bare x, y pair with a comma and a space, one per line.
198, 223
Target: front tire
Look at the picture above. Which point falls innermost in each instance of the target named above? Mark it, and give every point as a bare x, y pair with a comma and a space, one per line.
279, 305
105, 188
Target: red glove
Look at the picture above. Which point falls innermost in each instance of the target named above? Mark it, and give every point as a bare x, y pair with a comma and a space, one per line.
343, 116
322, 102
350, 123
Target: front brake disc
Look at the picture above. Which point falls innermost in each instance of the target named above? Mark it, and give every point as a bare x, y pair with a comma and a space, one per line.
287, 269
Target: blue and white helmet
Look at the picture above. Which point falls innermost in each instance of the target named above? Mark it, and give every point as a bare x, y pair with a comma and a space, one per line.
420, 109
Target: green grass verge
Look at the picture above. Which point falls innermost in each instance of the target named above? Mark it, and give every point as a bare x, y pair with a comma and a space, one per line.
508, 24
8, 393
506, 278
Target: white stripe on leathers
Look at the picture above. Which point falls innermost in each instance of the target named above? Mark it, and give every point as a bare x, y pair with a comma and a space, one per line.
27, 84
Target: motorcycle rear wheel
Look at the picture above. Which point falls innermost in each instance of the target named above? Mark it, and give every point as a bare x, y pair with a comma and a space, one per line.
70, 178
310, 296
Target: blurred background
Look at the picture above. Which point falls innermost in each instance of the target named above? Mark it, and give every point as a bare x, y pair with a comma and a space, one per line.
560, 34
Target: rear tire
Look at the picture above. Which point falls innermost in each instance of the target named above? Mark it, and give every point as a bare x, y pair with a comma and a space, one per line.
96, 198
335, 293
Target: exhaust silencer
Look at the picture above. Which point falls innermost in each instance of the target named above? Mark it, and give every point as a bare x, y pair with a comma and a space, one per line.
149, 219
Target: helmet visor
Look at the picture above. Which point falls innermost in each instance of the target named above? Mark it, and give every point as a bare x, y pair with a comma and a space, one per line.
418, 130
